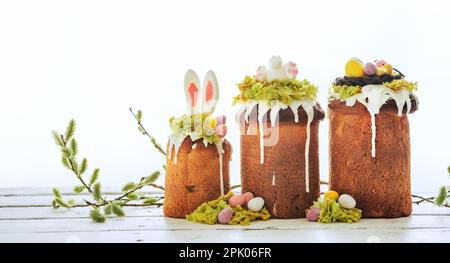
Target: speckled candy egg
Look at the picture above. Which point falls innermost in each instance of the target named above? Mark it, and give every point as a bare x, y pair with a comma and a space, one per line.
354, 68
379, 63
248, 196
347, 201
313, 214
236, 200
370, 69
255, 204
225, 215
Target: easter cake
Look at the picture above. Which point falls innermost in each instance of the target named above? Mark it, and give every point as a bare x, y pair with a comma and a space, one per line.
369, 142
198, 156
279, 119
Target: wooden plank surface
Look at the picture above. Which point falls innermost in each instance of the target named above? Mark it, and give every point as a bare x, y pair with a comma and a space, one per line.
25, 216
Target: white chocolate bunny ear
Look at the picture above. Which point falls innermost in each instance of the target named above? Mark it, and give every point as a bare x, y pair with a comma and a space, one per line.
192, 91
210, 95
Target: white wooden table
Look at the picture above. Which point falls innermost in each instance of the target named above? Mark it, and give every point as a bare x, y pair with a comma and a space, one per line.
26, 216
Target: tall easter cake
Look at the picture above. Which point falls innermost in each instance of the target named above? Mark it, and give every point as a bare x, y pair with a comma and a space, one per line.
369, 137
198, 156
279, 121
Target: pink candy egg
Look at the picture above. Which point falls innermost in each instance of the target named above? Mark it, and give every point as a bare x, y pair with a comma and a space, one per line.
313, 214
225, 215
370, 69
237, 200
221, 130
221, 120
380, 63
248, 196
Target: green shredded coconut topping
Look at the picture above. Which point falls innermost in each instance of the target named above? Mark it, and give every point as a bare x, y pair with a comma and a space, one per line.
399, 84
197, 125
207, 212
284, 91
345, 91
332, 212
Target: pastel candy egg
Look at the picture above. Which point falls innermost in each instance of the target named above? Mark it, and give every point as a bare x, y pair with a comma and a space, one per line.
379, 63
236, 200
222, 119
313, 214
331, 195
221, 130
387, 68
354, 68
381, 71
248, 196
370, 69
225, 215
347, 201
255, 204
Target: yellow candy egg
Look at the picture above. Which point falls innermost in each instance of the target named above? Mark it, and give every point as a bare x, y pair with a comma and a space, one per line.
213, 123
387, 68
331, 195
354, 68
381, 71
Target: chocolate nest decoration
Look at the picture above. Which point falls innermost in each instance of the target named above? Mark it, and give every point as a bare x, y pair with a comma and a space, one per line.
363, 81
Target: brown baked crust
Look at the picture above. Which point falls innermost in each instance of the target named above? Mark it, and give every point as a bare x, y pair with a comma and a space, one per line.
381, 185
287, 160
195, 178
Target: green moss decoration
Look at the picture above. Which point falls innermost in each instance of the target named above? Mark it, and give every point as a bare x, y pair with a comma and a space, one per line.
243, 217
331, 212
207, 212
398, 84
284, 91
197, 124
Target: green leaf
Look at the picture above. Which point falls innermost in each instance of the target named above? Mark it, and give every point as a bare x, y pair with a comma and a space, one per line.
94, 176
139, 115
128, 187
61, 202
65, 162
56, 193
72, 202
97, 215
150, 200
133, 196
58, 139
108, 209
448, 169
55, 204
151, 178
66, 153
75, 167
442, 196
141, 130
74, 147
117, 210
70, 130
78, 189
97, 191
84, 166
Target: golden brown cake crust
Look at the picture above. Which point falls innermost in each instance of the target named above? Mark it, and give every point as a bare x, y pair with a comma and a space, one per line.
287, 197
381, 185
195, 178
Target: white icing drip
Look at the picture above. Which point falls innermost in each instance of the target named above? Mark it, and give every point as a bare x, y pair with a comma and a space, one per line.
263, 108
308, 107
175, 144
221, 151
373, 97
273, 179
194, 146
274, 210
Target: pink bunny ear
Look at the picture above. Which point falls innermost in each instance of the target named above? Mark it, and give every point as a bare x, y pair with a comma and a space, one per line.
192, 91
210, 93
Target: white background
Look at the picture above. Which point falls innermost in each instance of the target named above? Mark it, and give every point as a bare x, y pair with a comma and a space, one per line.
91, 60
